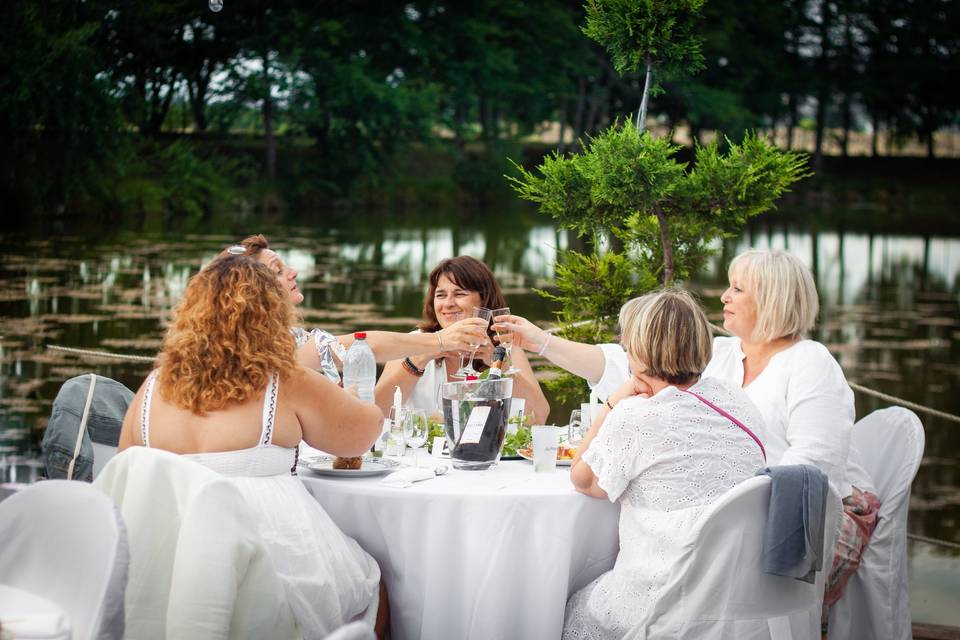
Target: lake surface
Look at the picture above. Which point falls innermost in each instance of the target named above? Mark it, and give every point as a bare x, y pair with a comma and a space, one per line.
890, 314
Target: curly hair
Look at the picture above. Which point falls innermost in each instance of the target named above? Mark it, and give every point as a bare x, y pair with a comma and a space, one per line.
229, 334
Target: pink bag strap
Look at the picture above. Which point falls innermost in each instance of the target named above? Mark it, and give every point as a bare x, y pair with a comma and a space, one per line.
731, 419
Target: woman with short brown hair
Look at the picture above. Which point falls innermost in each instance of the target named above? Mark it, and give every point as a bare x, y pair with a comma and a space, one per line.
456, 287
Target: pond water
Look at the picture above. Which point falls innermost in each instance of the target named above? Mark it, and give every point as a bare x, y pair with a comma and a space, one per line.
890, 314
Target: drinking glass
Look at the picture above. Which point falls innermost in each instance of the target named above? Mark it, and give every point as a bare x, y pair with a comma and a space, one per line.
506, 339
467, 369
415, 430
576, 429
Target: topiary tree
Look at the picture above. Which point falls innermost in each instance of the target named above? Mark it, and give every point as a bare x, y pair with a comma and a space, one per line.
644, 34
628, 185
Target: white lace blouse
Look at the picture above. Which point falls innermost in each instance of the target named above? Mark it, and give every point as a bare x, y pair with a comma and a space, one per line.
664, 459
802, 395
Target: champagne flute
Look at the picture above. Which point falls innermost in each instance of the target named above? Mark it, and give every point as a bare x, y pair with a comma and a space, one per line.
468, 370
506, 339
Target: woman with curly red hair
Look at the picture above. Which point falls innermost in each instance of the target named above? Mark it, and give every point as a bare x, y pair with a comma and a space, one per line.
229, 393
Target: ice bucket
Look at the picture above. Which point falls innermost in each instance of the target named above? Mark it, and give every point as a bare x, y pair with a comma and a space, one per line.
475, 420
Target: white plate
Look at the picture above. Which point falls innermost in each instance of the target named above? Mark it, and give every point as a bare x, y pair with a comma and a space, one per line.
323, 465
560, 463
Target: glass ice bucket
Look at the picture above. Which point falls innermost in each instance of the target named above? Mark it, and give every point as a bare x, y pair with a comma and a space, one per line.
475, 420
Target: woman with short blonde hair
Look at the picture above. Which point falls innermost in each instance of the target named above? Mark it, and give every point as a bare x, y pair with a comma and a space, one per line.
785, 294
673, 444
669, 332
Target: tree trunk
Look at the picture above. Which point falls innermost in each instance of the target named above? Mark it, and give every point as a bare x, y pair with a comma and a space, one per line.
823, 83
667, 247
578, 124
561, 143
271, 151
791, 119
875, 137
930, 146
642, 113
845, 140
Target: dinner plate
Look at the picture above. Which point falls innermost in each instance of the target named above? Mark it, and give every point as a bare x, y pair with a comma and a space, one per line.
560, 463
323, 465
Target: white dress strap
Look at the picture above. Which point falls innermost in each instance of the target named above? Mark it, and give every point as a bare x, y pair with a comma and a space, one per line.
145, 408
269, 410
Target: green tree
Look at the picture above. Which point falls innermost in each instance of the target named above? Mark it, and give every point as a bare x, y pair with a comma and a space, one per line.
645, 35
57, 121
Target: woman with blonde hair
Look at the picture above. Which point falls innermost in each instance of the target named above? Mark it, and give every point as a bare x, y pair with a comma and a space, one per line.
799, 388
229, 394
672, 444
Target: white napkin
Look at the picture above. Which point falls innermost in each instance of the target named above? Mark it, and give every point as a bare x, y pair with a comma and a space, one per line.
406, 477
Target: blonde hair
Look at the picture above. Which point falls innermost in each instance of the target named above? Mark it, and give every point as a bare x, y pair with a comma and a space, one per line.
667, 332
784, 291
229, 335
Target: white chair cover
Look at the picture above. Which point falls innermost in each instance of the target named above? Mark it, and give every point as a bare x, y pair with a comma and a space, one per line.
65, 541
718, 590
102, 453
353, 631
198, 567
876, 603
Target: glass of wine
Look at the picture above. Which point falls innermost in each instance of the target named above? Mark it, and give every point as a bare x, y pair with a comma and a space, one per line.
506, 339
467, 369
415, 431
576, 429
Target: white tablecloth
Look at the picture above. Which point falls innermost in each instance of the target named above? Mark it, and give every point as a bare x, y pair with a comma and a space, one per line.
487, 555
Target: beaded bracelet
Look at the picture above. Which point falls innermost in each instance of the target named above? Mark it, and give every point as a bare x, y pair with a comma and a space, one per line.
412, 368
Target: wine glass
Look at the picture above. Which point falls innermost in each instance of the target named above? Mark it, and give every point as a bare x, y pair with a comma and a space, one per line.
415, 430
467, 369
575, 430
506, 339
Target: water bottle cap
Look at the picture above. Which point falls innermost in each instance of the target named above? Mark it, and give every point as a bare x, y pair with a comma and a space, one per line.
360, 335
471, 378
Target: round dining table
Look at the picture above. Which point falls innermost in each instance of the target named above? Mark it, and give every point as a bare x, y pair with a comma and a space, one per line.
488, 555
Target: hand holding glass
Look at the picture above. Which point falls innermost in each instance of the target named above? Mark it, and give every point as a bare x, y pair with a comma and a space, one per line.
467, 369
506, 339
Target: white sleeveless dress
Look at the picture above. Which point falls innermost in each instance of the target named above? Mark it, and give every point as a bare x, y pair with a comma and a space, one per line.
329, 579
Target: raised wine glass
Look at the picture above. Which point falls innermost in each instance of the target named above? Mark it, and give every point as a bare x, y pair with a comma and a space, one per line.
467, 369
506, 339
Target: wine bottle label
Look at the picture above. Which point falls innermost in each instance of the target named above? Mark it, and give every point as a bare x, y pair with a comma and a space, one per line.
455, 418
474, 428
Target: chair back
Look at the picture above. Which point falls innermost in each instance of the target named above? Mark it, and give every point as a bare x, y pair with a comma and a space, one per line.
876, 603
718, 590
890, 442
198, 566
65, 542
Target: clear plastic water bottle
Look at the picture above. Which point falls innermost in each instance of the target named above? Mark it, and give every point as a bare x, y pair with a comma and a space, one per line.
360, 367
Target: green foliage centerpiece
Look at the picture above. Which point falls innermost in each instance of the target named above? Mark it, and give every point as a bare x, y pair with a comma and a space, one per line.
647, 217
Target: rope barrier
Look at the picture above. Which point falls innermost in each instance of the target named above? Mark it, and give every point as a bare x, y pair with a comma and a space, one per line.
101, 354
941, 543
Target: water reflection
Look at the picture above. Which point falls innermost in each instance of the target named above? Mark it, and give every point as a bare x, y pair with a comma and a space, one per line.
890, 308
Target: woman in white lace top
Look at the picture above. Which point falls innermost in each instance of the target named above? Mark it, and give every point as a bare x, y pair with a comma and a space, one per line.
666, 445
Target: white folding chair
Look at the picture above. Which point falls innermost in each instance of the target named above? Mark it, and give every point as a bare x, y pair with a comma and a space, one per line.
65, 542
876, 603
198, 566
718, 590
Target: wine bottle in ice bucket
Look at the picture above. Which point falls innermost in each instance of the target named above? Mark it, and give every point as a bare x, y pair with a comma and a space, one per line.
475, 420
